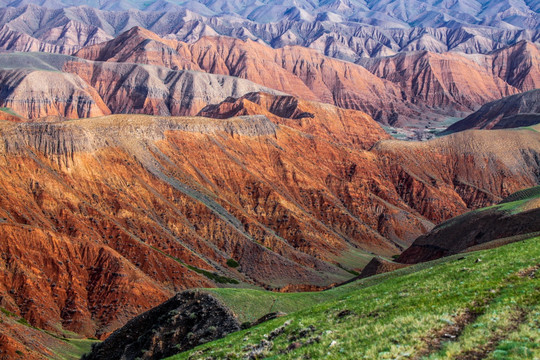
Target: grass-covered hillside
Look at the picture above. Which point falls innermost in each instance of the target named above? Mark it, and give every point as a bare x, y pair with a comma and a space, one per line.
521, 200
469, 306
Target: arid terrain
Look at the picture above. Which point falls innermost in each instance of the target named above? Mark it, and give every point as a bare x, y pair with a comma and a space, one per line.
115, 208
140, 72
278, 155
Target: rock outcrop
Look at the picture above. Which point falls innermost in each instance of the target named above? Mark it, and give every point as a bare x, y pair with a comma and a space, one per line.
188, 319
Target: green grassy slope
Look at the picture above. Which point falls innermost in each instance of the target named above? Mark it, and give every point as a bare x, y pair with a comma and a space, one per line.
9, 111
484, 304
75, 348
250, 305
523, 195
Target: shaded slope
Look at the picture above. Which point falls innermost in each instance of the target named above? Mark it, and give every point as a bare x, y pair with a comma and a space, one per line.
64, 39
152, 90
510, 112
517, 215
12, 40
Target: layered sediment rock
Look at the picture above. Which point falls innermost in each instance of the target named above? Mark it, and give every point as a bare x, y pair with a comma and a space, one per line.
42, 85
305, 73
106, 217
36, 94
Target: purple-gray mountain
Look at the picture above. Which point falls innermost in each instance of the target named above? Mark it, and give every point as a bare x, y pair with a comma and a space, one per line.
345, 29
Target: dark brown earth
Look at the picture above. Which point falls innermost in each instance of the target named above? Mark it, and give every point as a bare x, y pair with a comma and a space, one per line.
188, 319
510, 112
378, 265
474, 230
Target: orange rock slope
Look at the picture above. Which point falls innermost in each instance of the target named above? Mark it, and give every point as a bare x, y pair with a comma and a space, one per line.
103, 218
39, 85
295, 70
408, 87
445, 81
139, 72
348, 127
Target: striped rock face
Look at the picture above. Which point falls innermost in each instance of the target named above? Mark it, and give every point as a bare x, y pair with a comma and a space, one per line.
106, 217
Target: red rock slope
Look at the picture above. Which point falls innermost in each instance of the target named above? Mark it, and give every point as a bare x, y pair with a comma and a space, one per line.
402, 89
302, 72
38, 85
106, 217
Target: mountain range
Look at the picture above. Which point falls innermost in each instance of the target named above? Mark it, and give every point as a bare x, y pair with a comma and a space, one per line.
253, 150
121, 211
422, 13
348, 30
140, 72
